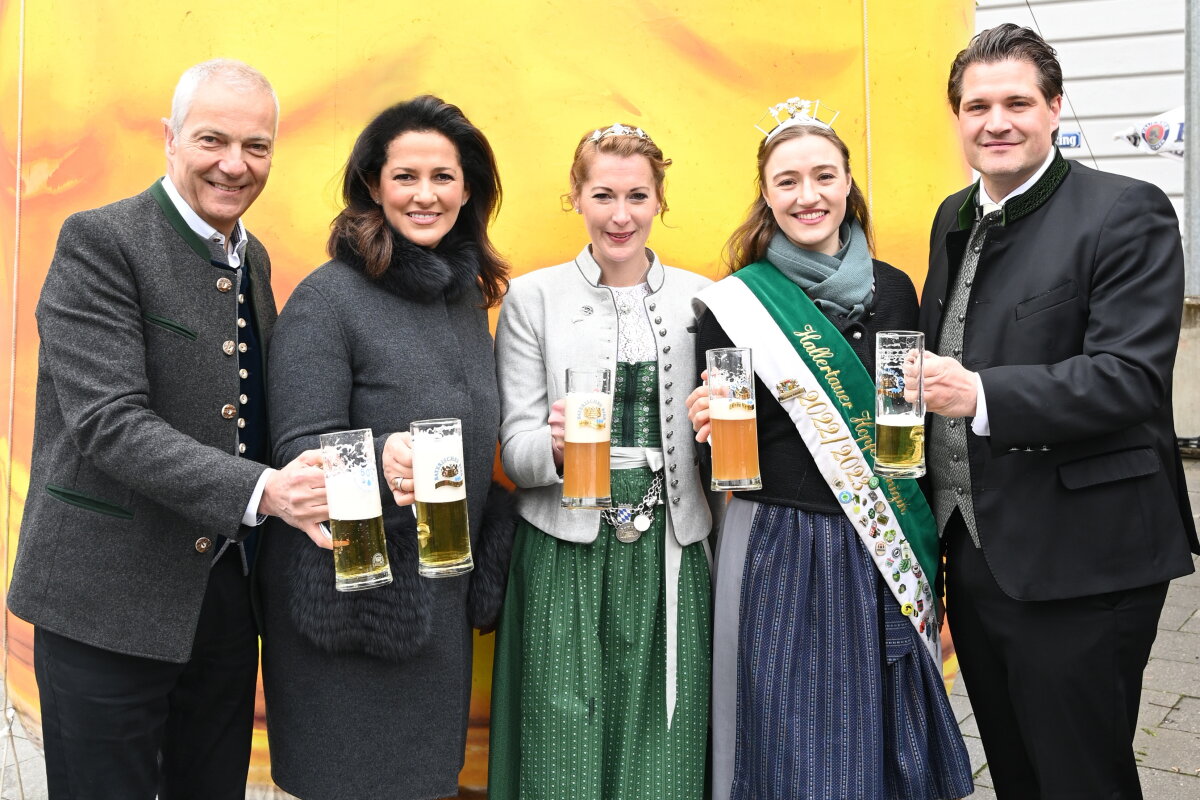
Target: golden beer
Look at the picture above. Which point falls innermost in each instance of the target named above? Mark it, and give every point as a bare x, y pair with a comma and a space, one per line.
734, 445
440, 489
359, 554
586, 474
588, 431
900, 446
360, 559
444, 538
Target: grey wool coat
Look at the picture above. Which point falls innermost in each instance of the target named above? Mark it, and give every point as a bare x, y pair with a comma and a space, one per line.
367, 693
135, 469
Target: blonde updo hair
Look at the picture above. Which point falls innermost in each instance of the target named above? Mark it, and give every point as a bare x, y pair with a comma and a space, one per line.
621, 145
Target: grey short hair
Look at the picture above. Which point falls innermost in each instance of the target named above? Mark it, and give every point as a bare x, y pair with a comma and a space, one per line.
235, 73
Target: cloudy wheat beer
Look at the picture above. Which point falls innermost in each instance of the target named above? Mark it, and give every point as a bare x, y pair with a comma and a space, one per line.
440, 489
588, 411
355, 515
731, 410
899, 423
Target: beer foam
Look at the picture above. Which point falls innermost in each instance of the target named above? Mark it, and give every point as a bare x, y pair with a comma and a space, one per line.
350, 499
439, 475
719, 408
589, 417
900, 420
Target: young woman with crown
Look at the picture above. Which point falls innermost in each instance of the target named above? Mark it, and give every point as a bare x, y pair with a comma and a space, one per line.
826, 679
601, 682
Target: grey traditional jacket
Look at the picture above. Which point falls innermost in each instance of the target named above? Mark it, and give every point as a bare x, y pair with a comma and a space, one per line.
561, 317
135, 469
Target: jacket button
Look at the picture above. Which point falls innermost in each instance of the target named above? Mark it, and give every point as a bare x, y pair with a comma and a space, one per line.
241, 298
652, 306
243, 374
241, 322
670, 449
662, 331
962, 317
658, 320
228, 346
203, 544
1045, 448
671, 468
670, 417
858, 334
674, 482
669, 384
243, 399
243, 347
224, 284
670, 434
241, 422
228, 411
668, 400
674, 501
666, 367
242, 447
666, 349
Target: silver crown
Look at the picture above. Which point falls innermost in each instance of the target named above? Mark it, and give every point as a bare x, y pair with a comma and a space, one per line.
617, 130
792, 112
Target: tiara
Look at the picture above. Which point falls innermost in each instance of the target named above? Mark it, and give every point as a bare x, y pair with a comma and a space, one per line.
795, 111
618, 130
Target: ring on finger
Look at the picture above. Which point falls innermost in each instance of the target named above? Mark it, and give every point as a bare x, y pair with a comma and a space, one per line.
398, 483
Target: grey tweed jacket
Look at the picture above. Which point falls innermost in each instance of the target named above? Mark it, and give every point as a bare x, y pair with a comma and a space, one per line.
135, 468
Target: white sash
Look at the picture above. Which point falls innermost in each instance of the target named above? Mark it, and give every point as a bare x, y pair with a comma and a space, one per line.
834, 447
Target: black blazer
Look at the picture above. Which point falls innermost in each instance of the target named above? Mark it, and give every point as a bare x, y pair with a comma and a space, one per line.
1072, 324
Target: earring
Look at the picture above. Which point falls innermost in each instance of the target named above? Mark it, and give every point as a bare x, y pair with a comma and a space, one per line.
578, 210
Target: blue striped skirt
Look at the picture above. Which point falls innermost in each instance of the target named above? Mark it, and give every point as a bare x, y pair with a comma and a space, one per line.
821, 688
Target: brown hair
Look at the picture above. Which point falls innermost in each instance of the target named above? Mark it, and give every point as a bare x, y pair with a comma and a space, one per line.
749, 242
362, 224
625, 146
1003, 43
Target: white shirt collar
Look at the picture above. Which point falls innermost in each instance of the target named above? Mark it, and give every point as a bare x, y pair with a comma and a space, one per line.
203, 229
985, 200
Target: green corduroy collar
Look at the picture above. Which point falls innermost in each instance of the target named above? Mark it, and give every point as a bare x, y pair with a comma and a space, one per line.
1025, 203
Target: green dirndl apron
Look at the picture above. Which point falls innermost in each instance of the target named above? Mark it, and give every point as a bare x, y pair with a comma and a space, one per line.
579, 685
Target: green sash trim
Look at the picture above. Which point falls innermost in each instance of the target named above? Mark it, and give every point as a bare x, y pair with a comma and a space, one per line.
177, 221
827, 354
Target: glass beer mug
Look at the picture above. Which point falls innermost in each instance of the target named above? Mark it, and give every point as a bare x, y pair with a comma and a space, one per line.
588, 411
731, 412
440, 489
355, 514
899, 423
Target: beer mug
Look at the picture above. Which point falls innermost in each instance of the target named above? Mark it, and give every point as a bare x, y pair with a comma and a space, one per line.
440, 489
588, 430
731, 412
899, 423
355, 515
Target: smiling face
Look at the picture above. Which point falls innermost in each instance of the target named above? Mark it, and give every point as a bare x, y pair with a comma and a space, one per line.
221, 157
805, 182
421, 186
618, 201
1005, 123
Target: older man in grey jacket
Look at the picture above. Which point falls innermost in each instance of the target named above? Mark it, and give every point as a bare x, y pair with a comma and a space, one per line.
147, 483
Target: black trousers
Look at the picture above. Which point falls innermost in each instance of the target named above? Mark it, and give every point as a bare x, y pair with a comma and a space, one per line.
119, 727
1054, 684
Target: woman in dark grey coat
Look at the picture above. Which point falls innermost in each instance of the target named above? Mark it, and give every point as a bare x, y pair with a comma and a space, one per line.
367, 692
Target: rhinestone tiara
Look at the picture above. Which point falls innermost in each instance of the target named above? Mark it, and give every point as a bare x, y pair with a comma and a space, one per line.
617, 130
792, 112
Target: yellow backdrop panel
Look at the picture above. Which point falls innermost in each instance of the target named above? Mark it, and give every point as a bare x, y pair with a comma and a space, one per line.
90, 81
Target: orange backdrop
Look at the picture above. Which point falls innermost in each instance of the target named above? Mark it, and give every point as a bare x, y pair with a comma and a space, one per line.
83, 86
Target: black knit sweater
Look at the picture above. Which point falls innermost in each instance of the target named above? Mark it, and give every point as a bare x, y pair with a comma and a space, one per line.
789, 474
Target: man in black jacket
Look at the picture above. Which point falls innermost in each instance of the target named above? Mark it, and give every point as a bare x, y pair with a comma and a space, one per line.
1054, 297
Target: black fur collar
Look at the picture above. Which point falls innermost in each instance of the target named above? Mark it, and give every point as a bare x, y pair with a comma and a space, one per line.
421, 274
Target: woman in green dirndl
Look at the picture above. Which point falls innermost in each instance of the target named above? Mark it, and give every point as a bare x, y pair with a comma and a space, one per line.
601, 683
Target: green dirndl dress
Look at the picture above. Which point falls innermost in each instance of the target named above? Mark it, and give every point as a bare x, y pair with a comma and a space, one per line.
579, 684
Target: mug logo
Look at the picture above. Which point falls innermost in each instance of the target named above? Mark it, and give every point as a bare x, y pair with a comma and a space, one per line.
448, 472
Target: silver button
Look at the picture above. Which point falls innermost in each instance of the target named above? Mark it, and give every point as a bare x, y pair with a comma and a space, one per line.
666, 349
670, 434
662, 331
674, 482
652, 306
1045, 448
224, 284
968, 283
242, 447
858, 334
228, 347
671, 468
243, 399
953, 423
670, 449
241, 422
243, 347
666, 367
658, 320
954, 457
243, 373
958, 490
241, 298
586, 310
962, 317
670, 417
674, 501
668, 400
241, 322
958, 351
669, 384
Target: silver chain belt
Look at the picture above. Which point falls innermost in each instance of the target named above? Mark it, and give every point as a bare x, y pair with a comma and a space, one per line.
631, 522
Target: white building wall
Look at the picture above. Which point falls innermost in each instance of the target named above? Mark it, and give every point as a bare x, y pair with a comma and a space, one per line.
1123, 62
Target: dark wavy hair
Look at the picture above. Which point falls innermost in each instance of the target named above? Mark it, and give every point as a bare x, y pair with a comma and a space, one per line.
749, 242
362, 224
1003, 43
